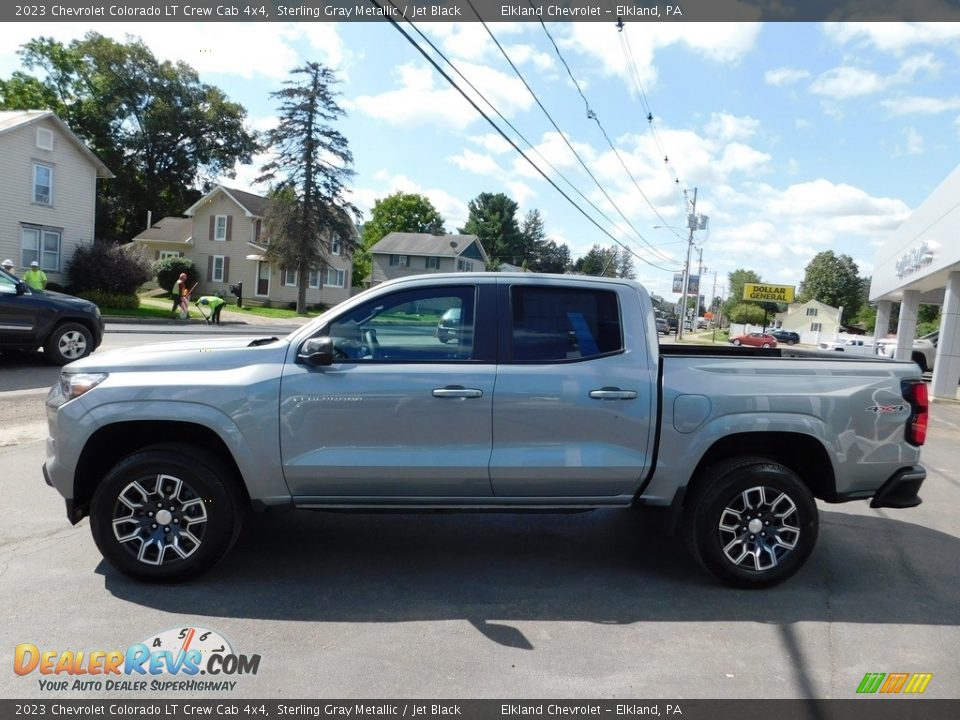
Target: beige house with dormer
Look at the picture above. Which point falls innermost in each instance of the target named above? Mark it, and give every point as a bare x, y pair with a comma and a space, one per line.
223, 234
48, 191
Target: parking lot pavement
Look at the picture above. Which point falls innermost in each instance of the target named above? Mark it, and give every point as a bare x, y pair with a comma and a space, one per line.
600, 604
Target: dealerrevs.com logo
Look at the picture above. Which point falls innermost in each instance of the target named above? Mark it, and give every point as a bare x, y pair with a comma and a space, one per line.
893, 683
169, 661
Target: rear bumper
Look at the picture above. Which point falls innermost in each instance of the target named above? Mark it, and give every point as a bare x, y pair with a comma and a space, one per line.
900, 491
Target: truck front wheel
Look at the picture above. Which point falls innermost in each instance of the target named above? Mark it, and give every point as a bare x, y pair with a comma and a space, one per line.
751, 522
166, 513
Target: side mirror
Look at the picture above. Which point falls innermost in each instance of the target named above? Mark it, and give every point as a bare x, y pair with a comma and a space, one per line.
21, 288
316, 352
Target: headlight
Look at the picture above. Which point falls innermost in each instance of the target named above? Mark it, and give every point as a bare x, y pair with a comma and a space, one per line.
76, 384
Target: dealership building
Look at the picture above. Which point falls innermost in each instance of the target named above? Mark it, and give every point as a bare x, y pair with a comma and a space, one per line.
920, 264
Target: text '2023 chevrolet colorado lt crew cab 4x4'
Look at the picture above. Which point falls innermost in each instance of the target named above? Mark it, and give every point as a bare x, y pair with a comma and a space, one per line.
552, 394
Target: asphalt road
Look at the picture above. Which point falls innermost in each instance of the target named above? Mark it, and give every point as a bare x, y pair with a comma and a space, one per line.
599, 604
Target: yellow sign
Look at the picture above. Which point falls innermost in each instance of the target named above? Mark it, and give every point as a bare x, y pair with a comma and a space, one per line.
768, 293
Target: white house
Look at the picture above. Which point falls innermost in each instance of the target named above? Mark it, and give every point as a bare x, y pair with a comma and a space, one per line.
813, 321
48, 191
400, 254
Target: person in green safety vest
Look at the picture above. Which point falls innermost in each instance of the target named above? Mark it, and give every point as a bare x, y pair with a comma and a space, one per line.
216, 306
35, 277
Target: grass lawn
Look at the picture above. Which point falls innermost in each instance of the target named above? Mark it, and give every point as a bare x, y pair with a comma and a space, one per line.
268, 312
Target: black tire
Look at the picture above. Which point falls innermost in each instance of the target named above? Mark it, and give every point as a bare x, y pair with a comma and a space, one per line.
736, 342
766, 345
68, 342
205, 520
719, 503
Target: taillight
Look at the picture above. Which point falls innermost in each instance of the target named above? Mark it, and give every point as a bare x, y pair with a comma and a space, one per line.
915, 392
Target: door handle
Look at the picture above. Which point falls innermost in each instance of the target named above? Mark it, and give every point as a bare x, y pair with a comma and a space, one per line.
612, 393
457, 391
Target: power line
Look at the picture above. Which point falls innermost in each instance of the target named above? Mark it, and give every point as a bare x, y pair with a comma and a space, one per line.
564, 137
593, 116
521, 135
486, 117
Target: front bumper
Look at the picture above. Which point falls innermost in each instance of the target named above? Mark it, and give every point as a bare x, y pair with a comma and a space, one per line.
900, 491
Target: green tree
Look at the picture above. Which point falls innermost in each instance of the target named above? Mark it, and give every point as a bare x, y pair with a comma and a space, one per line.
736, 280
599, 261
492, 218
746, 312
308, 172
547, 256
400, 212
154, 124
835, 281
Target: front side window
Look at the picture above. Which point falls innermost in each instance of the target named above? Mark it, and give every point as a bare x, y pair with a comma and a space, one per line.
558, 324
431, 325
43, 184
41, 245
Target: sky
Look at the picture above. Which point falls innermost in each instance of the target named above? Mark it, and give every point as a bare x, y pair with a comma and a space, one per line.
797, 137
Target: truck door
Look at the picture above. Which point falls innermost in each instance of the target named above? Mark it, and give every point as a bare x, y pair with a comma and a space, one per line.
574, 406
405, 409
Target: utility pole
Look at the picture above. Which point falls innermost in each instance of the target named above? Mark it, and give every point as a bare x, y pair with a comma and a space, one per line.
713, 295
692, 224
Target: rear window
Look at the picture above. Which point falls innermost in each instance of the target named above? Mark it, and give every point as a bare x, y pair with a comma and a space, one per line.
560, 324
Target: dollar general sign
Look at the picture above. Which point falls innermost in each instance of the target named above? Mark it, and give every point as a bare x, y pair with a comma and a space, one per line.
768, 293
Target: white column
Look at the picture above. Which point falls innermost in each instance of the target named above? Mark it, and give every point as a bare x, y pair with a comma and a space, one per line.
907, 327
946, 367
883, 320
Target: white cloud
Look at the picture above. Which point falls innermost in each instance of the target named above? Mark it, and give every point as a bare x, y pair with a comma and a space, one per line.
420, 101
846, 82
893, 36
914, 141
785, 76
925, 105
737, 157
801, 124
726, 127
451, 209
491, 142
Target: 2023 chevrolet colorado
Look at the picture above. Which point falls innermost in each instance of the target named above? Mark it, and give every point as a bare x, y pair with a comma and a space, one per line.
552, 394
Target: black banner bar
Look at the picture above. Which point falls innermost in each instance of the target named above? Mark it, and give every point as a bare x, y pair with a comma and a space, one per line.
489, 10
873, 708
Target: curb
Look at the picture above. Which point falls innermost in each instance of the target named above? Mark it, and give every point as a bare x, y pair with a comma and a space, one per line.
28, 394
123, 320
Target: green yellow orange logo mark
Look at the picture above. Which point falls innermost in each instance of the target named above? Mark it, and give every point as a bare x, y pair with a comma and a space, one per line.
889, 683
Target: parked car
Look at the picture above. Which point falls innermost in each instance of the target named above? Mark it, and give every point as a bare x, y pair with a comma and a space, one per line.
755, 339
859, 346
449, 326
663, 328
923, 353
560, 402
785, 336
672, 322
66, 327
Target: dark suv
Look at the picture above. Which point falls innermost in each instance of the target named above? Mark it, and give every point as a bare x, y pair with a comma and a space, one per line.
66, 327
785, 336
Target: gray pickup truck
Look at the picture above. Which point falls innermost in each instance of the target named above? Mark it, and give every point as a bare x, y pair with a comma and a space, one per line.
551, 394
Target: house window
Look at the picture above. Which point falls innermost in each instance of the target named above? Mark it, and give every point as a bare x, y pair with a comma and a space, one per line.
816, 327
220, 228
43, 184
217, 275
41, 245
811, 312
335, 277
433, 263
257, 228
399, 261
167, 254
290, 278
44, 139
335, 245
464, 266
313, 279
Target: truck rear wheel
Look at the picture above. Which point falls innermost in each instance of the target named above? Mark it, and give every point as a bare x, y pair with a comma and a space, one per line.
166, 513
752, 523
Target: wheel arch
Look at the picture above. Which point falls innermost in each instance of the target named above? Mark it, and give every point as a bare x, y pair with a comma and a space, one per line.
111, 443
803, 454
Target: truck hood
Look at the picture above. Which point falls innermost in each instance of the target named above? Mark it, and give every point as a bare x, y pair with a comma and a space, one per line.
201, 354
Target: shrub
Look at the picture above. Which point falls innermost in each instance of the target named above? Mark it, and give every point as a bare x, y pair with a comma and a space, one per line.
167, 271
111, 300
108, 268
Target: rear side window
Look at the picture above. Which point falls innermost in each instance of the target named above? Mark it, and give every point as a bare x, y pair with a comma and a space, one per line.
559, 324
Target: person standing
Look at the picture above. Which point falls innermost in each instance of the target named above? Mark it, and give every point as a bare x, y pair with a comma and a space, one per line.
35, 277
179, 291
9, 267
